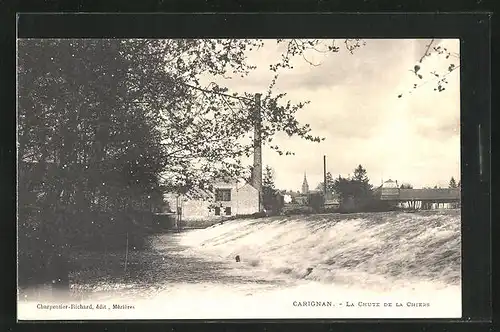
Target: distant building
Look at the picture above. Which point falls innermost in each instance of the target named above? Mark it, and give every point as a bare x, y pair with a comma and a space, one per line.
305, 185
389, 189
427, 198
302, 196
332, 200
302, 200
225, 199
390, 184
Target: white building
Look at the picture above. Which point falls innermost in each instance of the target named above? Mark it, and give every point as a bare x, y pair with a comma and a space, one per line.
389, 189
225, 200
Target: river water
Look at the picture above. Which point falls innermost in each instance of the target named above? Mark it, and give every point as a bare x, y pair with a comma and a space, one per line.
382, 265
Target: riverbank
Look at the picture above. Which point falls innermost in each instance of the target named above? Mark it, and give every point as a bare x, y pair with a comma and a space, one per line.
139, 274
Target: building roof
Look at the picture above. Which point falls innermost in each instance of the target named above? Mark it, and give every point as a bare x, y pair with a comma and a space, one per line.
389, 184
198, 193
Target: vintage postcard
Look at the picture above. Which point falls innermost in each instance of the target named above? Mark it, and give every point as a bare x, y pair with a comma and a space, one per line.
238, 178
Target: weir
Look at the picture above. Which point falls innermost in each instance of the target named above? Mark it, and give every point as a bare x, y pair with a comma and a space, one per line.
366, 248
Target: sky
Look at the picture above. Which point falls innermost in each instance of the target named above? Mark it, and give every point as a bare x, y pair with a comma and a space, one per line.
354, 104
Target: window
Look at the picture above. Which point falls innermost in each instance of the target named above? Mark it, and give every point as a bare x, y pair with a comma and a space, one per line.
222, 195
227, 210
217, 211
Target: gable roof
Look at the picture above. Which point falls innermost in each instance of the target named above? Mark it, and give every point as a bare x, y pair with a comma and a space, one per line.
202, 193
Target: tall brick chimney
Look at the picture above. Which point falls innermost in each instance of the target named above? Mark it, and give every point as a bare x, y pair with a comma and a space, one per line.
257, 153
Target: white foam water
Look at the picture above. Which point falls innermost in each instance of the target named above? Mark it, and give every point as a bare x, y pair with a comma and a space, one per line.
384, 249
381, 265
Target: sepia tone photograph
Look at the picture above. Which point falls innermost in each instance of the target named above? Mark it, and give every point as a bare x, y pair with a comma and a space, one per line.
238, 179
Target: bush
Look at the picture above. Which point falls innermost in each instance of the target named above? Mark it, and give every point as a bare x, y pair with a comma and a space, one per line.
348, 205
297, 210
48, 239
330, 209
375, 205
316, 202
161, 222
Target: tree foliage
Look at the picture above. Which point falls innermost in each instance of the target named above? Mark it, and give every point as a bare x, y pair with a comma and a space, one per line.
329, 184
453, 183
360, 174
270, 195
88, 155
218, 123
268, 177
356, 187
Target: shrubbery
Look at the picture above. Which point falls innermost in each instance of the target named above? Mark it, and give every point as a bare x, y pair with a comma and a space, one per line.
297, 210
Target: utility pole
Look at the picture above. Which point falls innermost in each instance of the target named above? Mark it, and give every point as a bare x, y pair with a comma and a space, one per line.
257, 153
324, 176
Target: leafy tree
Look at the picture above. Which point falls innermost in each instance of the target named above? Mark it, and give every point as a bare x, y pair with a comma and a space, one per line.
344, 187
270, 194
248, 175
356, 187
360, 174
88, 155
452, 183
406, 186
91, 150
268, 177
363, 189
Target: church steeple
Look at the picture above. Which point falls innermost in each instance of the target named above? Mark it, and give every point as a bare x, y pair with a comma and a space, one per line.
305, 185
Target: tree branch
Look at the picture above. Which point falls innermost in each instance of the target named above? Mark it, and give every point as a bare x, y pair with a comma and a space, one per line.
217, 93
426, 50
